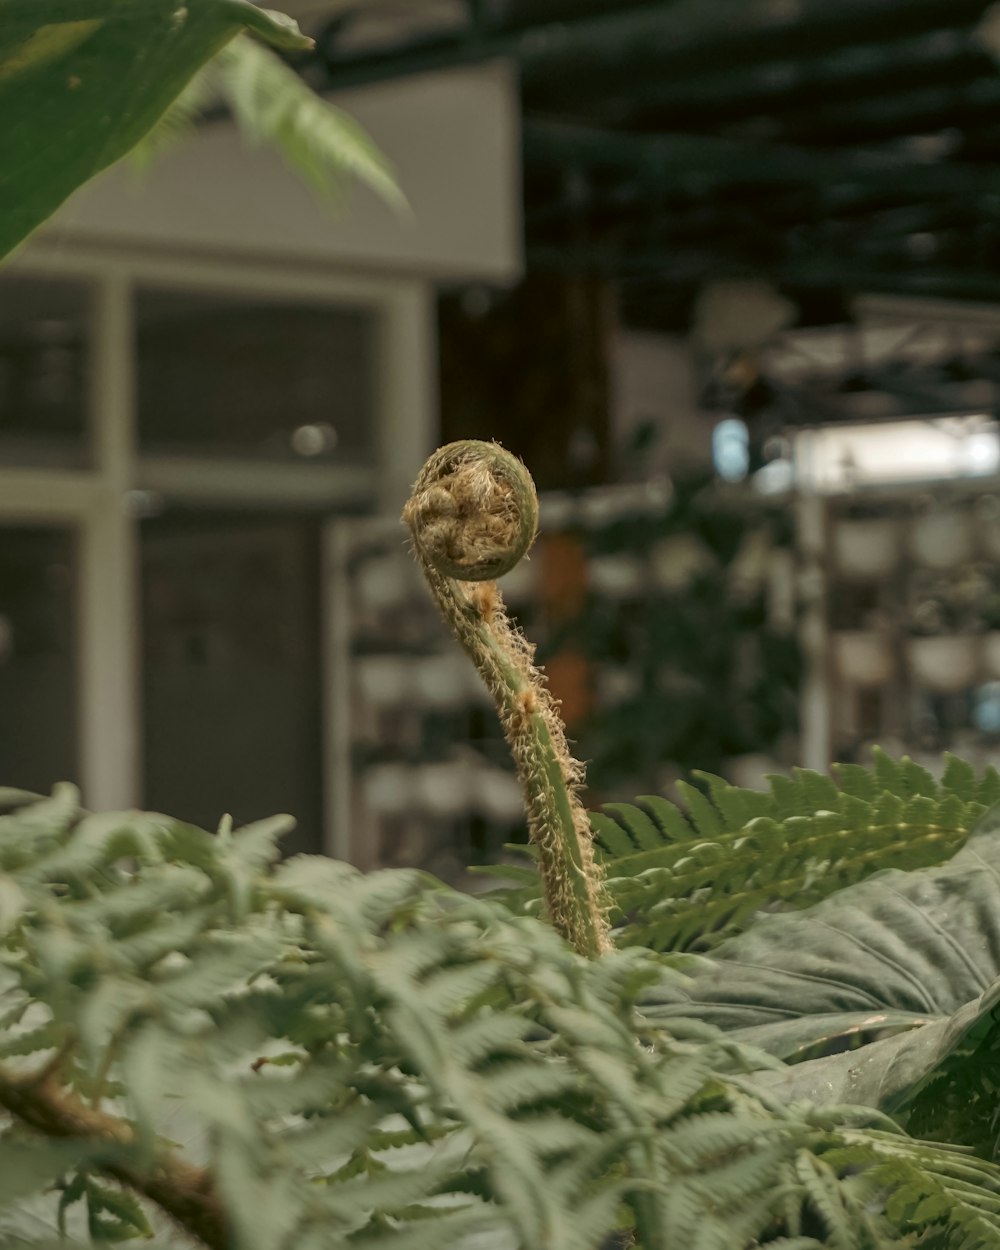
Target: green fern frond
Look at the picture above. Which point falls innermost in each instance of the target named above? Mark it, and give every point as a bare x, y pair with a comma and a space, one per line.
373, 1059
687, 876
178, 121
932, 1192
804, 840
273, 104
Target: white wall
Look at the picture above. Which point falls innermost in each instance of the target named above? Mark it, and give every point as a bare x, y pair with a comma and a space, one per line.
653, 377
452, 137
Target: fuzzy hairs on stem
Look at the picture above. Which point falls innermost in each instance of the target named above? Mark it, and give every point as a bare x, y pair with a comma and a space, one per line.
472, 515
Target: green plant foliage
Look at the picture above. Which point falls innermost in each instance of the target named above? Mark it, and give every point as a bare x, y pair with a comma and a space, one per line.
377, 1060
901, 972
697, 641
472, 515
687, 876
272, 104
915, 945
81, 81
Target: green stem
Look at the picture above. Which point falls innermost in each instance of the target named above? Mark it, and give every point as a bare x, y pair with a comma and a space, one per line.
183, 1191
473, 514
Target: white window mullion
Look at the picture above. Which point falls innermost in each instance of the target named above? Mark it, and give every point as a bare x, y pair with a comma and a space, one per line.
408, 428
408, 402
46, 496
814, 696
110, 726
96, 501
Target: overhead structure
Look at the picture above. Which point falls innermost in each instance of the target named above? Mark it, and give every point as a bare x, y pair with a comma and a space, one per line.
825, 147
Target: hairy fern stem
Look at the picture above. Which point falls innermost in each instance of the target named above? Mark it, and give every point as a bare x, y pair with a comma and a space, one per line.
473, 515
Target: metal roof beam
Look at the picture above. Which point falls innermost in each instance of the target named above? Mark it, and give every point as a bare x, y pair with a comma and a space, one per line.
693, 163
863, 69
675, 35
692, 268
904, 113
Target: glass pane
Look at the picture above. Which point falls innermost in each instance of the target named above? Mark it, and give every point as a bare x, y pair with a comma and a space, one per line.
221, 376
38, 666
44, 329
231, 671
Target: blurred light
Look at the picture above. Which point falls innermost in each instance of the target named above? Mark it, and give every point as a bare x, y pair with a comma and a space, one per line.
778, 447
933, 147
982, 453
314, 440
140, 505
6, 639
477, 301
775, 478
659, 491
831, 458
731, 449
987, 508
986, 708
921, 245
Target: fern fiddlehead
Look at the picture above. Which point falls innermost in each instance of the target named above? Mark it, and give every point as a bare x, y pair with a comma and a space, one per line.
473, 515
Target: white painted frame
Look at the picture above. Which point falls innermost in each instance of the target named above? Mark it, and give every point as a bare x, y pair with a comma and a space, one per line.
95, 500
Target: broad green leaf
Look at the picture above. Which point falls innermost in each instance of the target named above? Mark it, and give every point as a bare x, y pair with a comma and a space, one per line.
901, 972
265, 1204
11, 798
635, 821
894, 1074
223, 966
475, 1226
114, 1214
12, 903
895, 951
81, 81
38, 825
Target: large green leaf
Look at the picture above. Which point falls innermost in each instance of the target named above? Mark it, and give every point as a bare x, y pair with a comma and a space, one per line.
81, 81
897, 950
939, 1080
901, 970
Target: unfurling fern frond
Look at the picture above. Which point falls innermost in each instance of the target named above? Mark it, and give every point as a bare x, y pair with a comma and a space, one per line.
686, 876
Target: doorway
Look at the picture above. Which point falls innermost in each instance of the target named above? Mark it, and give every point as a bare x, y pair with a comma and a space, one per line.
38, 657
232, 708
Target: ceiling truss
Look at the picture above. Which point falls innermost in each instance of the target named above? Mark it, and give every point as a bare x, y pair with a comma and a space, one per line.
824, 146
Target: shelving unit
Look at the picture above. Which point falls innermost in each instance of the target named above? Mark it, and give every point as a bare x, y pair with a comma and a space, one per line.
417, 768
912, 613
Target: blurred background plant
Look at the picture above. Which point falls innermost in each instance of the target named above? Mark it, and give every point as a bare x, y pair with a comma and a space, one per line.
696, 663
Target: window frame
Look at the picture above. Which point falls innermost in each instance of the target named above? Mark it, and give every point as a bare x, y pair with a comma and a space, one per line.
100, 501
